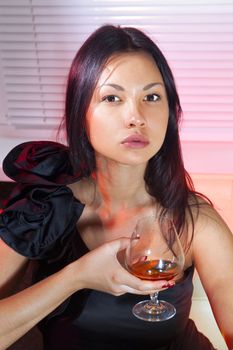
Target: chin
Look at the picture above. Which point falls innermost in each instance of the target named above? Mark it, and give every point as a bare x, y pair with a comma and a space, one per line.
134, 161
130, 159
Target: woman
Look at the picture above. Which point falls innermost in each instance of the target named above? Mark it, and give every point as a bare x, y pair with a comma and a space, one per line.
75, 207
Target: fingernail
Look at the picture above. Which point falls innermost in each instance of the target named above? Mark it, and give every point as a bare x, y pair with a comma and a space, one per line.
169, 285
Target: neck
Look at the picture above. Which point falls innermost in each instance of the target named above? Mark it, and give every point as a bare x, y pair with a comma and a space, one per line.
120, 186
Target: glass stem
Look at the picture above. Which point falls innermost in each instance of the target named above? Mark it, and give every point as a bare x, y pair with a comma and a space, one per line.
154, 298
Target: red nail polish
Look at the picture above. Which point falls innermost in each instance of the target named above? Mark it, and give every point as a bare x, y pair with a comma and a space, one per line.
168, 285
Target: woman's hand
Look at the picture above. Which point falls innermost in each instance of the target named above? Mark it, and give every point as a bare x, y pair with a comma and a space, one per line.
101, 270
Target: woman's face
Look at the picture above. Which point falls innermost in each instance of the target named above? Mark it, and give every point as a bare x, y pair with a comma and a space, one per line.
128, 114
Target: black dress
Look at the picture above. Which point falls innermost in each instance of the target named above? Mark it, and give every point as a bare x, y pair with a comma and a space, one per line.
40, 223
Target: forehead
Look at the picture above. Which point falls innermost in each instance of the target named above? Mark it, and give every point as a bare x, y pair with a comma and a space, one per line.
140, 65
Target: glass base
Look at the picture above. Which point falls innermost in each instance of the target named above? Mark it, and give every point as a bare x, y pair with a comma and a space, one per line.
147, 311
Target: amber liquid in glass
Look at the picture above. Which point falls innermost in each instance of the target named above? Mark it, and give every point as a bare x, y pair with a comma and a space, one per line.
155, 270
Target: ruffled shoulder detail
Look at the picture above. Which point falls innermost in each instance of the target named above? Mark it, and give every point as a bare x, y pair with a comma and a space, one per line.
42, 211
40, 162
39, 220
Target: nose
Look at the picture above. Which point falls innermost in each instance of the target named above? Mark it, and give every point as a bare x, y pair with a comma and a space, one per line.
135, 119
135, 122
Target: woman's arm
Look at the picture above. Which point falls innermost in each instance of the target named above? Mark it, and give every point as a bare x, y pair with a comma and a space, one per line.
213, 258
21, 311
99, 269
13, 267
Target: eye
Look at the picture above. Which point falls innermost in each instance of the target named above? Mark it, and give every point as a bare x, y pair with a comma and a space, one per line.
111, 98
151, 98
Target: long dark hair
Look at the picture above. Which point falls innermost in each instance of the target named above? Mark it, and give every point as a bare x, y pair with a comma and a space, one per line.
165, 176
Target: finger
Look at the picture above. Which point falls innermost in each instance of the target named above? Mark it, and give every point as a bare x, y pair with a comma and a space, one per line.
127, 289
145, 290
119, 244
142, 285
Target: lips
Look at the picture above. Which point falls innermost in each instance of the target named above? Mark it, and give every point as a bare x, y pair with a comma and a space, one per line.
135, 141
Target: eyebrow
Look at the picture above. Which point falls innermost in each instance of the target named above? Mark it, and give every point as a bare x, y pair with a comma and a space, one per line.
115, 86
147, 87
120, 88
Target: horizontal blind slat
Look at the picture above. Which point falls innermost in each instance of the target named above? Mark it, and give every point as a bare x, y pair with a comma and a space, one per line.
181, 37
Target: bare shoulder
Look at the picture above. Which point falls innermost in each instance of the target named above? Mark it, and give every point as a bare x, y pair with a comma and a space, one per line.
212, 253
209, 223
212, 246
83, 190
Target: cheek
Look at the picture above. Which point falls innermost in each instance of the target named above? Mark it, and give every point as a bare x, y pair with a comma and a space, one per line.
93, 126
164, 121
163, 130
99, 132
164, 126
159, 124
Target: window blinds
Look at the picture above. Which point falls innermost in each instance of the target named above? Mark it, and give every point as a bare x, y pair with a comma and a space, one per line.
39, 38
